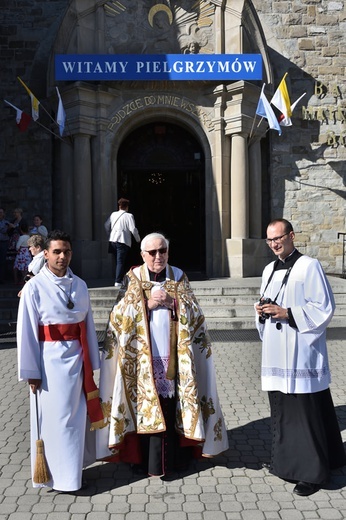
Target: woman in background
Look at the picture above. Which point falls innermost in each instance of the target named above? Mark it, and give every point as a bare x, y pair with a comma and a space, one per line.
23, 256
38, 228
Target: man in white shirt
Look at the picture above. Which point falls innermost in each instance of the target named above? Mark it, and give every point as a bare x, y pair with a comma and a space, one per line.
119, 226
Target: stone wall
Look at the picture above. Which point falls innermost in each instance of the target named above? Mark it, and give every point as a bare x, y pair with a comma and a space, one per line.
307, 176
308, 173
27, 30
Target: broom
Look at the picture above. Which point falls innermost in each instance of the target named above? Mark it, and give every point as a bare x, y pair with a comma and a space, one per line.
41, 471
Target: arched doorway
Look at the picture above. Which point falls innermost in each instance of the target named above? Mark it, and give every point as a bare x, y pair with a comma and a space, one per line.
161, 170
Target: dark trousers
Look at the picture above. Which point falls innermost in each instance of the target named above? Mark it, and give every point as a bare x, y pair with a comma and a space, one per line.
120, 252
3, 251
161, 452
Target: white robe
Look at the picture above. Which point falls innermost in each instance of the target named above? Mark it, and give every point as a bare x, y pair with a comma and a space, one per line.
159, 324
59, 364
295, 360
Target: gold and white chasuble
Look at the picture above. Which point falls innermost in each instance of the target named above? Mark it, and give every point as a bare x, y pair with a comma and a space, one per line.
129, 396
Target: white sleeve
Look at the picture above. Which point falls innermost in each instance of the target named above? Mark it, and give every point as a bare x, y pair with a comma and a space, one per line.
314, 303
28, 345
92, 340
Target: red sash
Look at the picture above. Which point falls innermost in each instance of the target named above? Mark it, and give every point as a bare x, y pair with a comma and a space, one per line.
68, 332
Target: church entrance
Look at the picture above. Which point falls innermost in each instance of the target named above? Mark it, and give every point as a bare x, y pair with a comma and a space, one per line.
161, 170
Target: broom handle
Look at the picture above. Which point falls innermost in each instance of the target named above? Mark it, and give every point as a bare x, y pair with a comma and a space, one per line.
38, 426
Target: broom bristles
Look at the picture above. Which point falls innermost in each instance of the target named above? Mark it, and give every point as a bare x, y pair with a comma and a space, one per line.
41, 471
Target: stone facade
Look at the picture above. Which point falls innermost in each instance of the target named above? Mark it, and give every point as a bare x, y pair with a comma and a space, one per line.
307, 169
303, 171
27, 32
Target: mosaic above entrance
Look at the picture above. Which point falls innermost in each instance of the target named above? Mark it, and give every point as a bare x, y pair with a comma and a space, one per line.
148, 27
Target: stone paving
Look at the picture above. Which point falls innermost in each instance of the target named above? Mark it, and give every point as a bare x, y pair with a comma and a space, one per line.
230, 487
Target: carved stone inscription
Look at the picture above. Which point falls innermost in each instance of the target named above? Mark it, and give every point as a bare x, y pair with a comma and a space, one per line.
160, 100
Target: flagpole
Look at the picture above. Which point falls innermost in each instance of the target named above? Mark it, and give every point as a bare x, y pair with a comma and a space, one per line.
55, 135
48, 114
260, 121
253, 124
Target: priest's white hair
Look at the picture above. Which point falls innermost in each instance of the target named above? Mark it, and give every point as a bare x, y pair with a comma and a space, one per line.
152, 236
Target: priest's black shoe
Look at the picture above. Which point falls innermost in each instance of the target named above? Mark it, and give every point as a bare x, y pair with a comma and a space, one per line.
304, 489
265, 465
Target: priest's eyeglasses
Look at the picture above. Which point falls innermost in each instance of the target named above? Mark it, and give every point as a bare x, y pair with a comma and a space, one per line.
275, 240
161, 251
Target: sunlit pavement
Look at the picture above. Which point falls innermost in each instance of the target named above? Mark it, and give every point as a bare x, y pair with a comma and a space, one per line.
231, 486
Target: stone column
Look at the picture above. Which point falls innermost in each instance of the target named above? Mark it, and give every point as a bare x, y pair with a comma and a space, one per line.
218, 227
65, 211
255, 190
239, 187
82, 188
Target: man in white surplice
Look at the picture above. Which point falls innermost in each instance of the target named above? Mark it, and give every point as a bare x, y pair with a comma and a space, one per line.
292, 316
57, 353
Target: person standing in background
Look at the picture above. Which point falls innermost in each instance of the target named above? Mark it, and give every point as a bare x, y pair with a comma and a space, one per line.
36, 247
292, 315
14, 234
38, 228
23, 257
119, 227
4, 239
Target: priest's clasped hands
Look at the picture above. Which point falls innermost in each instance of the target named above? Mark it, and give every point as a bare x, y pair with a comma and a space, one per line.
160, 298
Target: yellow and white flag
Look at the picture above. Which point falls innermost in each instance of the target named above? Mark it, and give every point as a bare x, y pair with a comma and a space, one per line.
281, 99
34, 101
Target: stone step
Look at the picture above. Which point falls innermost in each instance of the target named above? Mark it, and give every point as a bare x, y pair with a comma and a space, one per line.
205, 301
220, 311
226, 303
232, 323
101, 312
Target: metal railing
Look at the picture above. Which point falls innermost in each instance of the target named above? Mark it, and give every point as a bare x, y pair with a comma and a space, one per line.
343, 235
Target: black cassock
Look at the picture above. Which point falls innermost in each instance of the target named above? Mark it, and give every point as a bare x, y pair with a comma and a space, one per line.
306, 440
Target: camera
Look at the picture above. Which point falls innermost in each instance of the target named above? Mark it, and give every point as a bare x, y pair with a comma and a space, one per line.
264, 316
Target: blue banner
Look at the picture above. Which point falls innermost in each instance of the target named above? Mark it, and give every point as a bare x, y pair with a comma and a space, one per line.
141, 67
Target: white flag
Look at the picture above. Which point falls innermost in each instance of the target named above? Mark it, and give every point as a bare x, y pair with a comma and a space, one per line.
286, 121
265, 110
61, 116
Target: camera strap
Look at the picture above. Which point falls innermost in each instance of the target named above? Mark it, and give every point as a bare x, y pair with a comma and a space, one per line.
276, 263
283, 283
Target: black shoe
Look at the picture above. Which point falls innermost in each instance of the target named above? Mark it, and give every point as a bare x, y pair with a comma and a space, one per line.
265, 465
304, 489
85, 484
169, 477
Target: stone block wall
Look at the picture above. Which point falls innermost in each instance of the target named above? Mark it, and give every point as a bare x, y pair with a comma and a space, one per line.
307, 175
27, 30
308, 170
